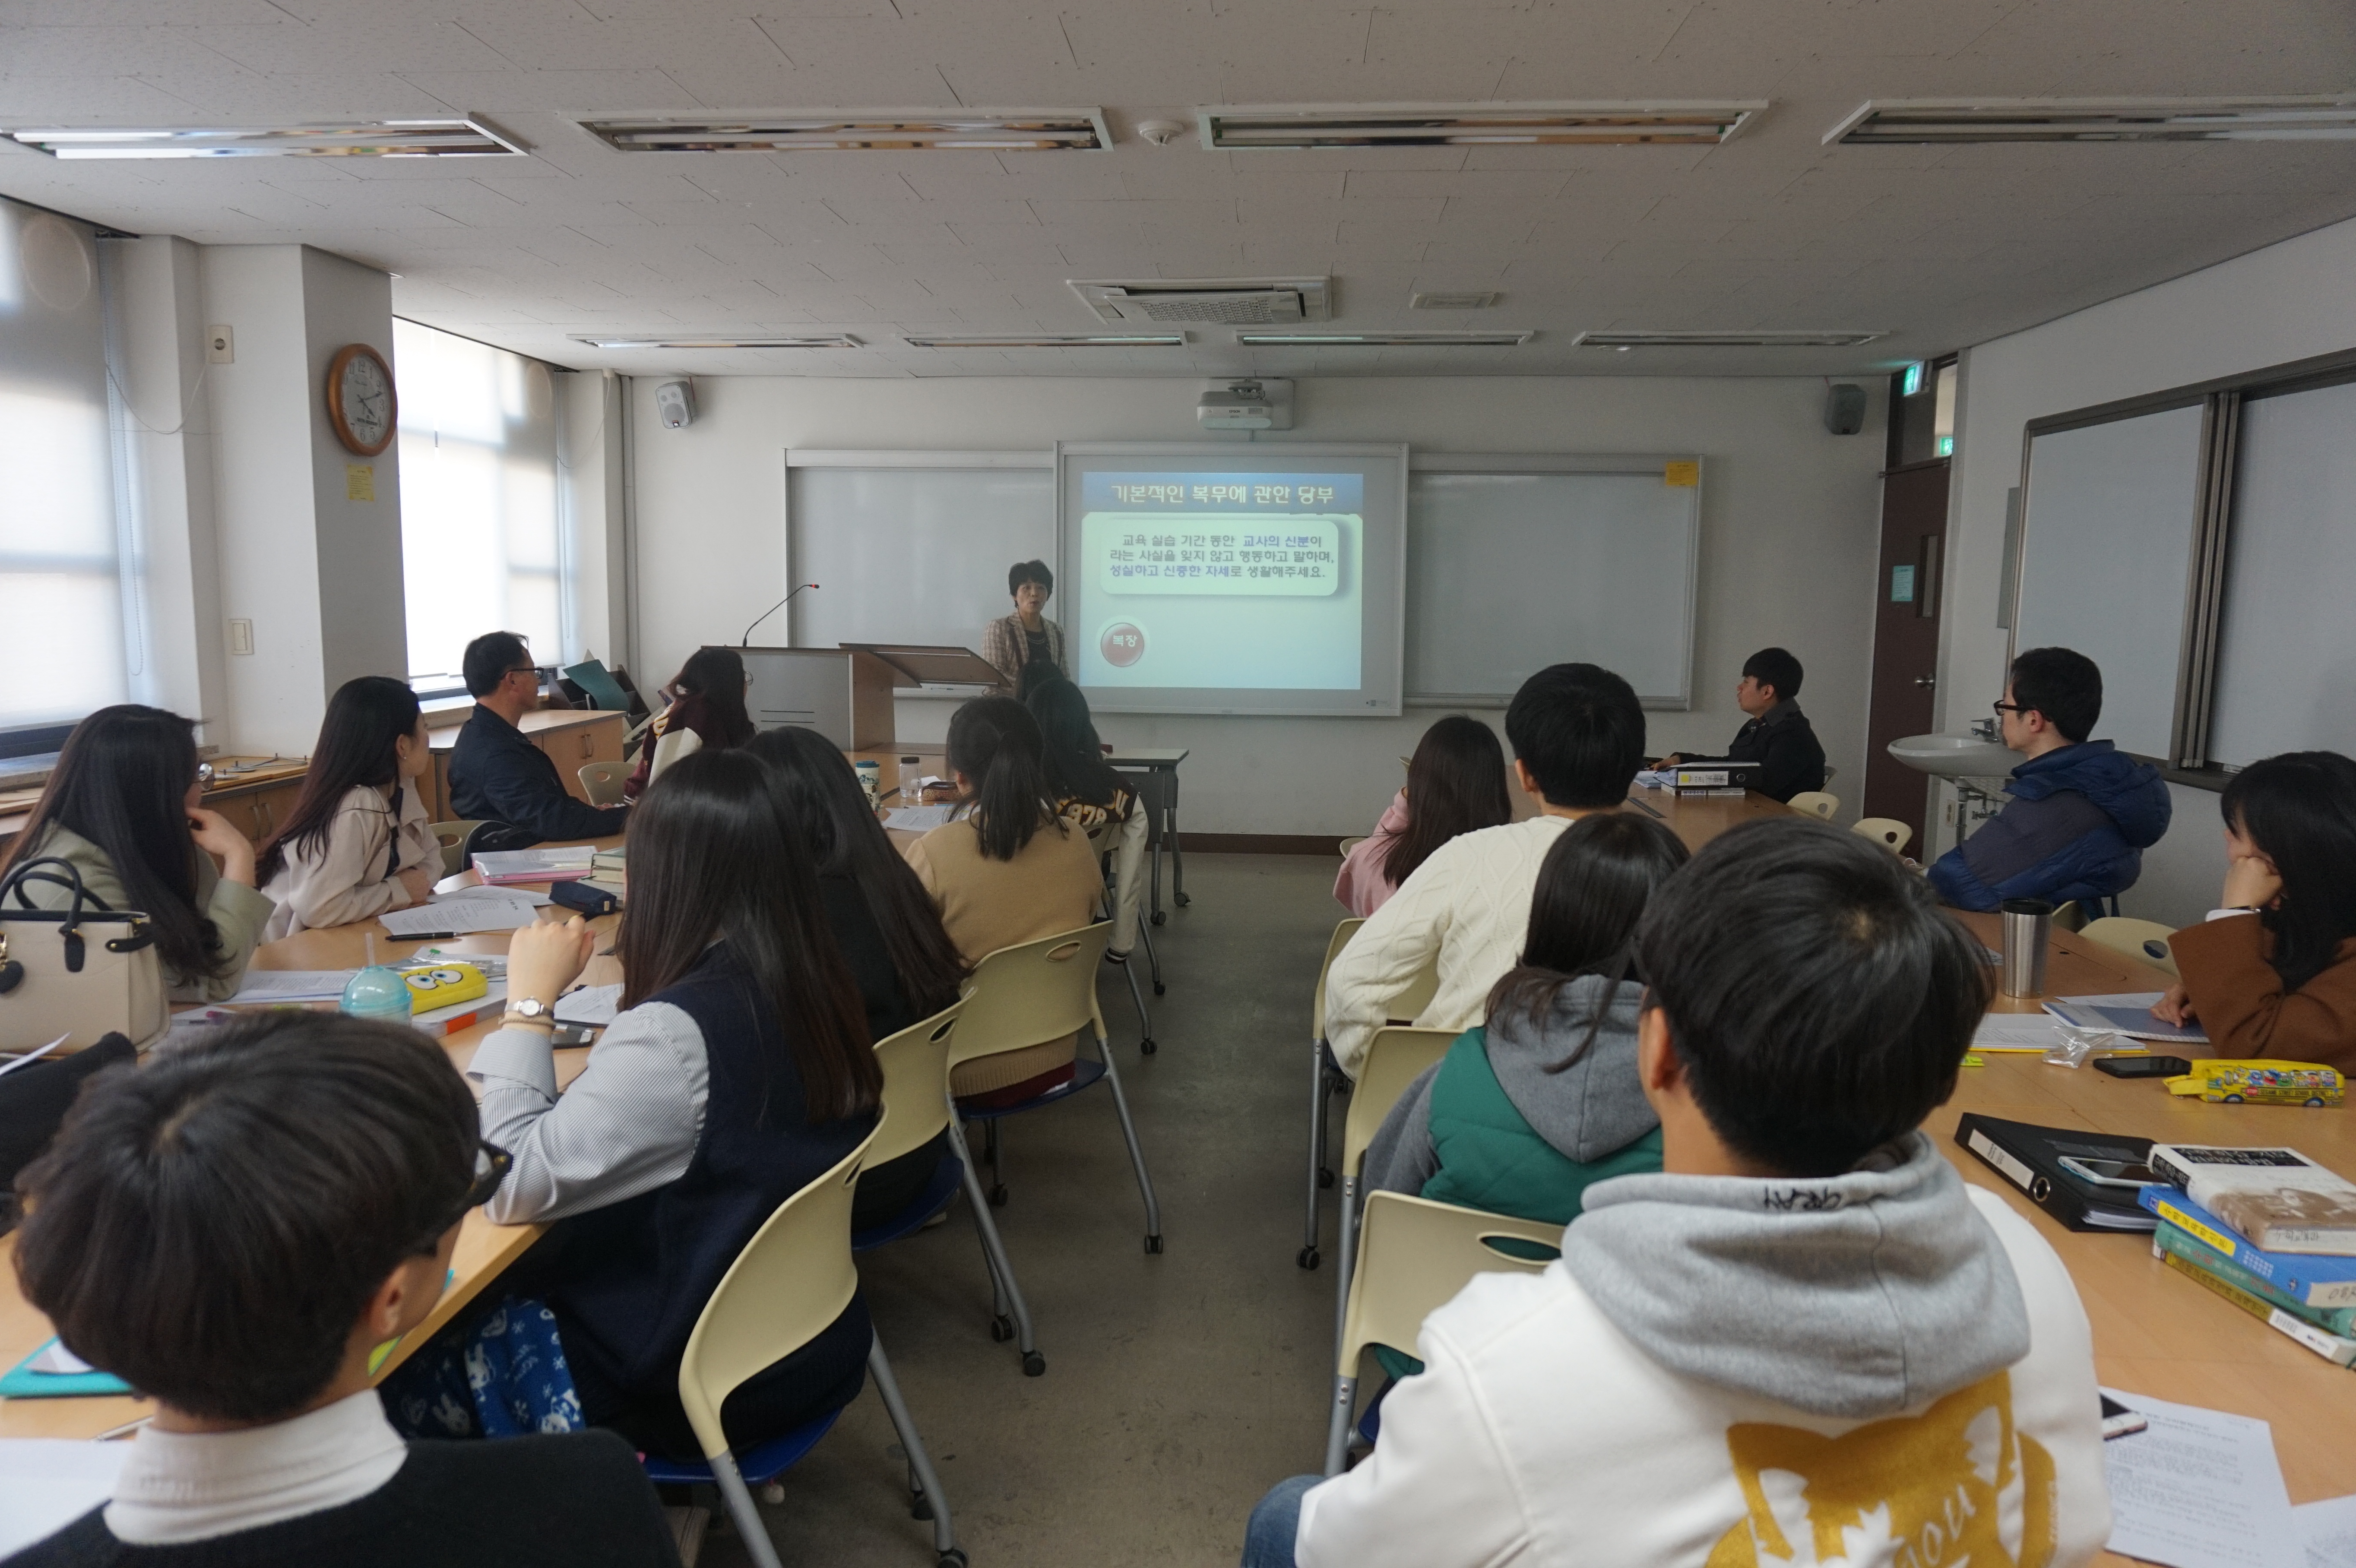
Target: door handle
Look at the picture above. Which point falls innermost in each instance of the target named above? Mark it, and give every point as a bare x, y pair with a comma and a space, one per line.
1931, 680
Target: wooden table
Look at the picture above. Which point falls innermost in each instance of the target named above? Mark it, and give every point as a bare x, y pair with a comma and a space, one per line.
1698, 818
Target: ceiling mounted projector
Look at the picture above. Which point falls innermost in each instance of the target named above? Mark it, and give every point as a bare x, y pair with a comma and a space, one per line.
1245, 405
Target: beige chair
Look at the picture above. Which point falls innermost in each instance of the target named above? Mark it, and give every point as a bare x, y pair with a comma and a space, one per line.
603, 781
1815, 803
792, 1280
1886, 831
1350, 844
2145, 941
1414, 1256
452, 838
2069, 916
671, 748
1326, 1078
1394, 1057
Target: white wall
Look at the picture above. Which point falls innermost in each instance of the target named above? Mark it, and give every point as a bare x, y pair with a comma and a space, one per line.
2291, 301
1789, 531
590, 508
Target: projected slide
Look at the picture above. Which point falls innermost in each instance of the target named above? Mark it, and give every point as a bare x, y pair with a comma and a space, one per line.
1228, 581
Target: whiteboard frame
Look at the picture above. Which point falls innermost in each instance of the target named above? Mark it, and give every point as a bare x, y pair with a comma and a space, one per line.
1569, 462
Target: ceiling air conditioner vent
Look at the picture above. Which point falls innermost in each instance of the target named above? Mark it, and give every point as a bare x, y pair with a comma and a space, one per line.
1220, 302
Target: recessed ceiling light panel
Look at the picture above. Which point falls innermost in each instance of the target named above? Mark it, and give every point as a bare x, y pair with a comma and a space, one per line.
1431, 301
470, 137
1046, 340
1473, 125
1633, 339
832, 340
1384, 339
893, 131
1916, 121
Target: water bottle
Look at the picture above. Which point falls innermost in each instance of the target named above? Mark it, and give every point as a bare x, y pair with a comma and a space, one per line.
377, 992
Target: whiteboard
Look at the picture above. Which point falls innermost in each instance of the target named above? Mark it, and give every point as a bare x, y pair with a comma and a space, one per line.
912, 547
2287, 656
2107, 562
1516, 563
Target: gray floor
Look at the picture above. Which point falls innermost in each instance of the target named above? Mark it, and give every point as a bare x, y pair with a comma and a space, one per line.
1178, 1387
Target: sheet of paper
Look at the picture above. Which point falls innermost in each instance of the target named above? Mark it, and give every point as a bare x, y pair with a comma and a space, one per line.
265, 986
2327, 1530
592, 1007
13, 1062
2127, 1012
460, 916
2197, 1489
1654, 778
486, 890
46, 1482
57, 1361
2016, 1032
918, 818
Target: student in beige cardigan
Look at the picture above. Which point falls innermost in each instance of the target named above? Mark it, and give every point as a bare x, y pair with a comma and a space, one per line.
1008, 870
356, 844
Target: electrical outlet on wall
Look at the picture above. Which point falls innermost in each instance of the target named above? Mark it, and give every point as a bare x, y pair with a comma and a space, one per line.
221, 345
241, 636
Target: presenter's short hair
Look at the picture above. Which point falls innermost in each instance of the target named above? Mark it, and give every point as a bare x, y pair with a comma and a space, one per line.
2062, 684
1581, 730
1023, 571
488, 659
1775, 668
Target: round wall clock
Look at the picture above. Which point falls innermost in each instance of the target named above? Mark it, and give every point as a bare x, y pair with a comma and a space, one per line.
360, 403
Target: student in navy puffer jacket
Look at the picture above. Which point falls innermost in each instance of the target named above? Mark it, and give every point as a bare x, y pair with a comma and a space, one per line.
2081, 813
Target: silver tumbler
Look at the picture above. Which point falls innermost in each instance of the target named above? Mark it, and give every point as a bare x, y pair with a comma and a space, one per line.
2028, 927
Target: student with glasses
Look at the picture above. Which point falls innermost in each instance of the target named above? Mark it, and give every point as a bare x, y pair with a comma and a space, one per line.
498, 775
234, 1229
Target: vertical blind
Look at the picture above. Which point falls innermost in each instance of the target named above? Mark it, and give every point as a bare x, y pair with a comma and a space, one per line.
481, 550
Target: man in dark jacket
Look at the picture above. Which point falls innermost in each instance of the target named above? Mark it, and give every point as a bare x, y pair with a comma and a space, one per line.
2082, 811
1778, 736
498, 775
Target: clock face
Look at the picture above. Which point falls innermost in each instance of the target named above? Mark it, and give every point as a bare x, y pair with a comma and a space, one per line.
367, 399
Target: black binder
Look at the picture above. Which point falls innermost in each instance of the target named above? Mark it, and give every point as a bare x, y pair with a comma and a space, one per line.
2030, 1156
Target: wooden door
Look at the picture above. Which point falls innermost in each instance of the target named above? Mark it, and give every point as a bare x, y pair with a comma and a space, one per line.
1906, 638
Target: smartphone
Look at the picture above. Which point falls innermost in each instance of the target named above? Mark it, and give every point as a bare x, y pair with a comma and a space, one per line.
2118, 1421
2124, 1173
2142, 1066
569, 1035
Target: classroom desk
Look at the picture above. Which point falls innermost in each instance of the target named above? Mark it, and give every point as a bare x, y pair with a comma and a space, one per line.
1698, 818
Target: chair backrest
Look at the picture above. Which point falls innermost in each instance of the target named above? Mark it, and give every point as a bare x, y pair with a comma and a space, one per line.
452, 838
1418, 992
1815, 803
2145, 941
915, 1063
603, 781
1394, 1057
793, 1279
674, 744
1350, 844
1027, 995
2070, 915
1886, 831
604, 692
1414, 1256
1342, 932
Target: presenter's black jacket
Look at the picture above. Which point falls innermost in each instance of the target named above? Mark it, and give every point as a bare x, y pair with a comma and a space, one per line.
1784, 745
498, 775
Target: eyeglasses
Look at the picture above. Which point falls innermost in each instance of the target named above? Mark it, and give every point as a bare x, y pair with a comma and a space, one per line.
530, 669
2012, 708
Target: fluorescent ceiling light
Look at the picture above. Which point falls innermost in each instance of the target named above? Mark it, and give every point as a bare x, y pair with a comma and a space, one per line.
917, 130
1472, 126
833, 340
1481, 300
1916, 121
1046, 340
1384, 339
1725, 339
470, 137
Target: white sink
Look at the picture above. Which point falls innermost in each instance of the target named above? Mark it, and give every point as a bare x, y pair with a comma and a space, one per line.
1955, 756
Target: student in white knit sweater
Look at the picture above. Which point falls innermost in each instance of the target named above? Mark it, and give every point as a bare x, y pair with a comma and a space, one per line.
1577, 734
1806, 1340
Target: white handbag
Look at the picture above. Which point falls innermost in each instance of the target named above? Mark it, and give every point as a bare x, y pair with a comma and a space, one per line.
83, 972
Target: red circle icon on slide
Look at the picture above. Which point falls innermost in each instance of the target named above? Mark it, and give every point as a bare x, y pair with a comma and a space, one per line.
1123, 645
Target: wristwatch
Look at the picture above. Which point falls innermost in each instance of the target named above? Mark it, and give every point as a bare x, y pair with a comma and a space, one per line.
532, 1009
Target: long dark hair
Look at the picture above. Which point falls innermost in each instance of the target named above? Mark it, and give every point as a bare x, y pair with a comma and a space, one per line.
717, 676
1455, 784
1592, 891
996, 744
818, 796
708, 860
122, 781
2300, 810
1071, 754
365, 716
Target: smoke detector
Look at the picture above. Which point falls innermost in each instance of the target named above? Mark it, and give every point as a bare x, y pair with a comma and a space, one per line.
1162, 133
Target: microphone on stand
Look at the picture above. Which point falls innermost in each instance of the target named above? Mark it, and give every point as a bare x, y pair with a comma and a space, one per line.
747, 640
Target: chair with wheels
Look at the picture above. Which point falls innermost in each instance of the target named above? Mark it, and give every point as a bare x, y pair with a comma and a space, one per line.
2145, 941
1886, 831
1815, 803
793, 1279
603, 781
452, 838
1326, 1078
1414, 1256
1394, 1057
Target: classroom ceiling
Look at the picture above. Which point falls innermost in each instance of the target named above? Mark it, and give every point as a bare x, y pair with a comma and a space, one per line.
1938, 247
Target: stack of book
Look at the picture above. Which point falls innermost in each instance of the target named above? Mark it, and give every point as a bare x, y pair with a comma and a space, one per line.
2267, 1229
607, 871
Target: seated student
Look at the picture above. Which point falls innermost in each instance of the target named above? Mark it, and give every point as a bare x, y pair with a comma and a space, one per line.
1007, 870
356, 844
707, 696
884, 923
1579, 738
122, 805
1908, 1355
1455, 784
2273, 973
737, 1071
1778, 736
2082, 812
1088, 795
233, 1229
496, 775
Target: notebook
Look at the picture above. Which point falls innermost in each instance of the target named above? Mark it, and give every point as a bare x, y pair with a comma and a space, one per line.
55, 1372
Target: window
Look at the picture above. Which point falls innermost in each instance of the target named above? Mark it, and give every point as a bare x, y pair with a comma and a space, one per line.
61, 586
480, 544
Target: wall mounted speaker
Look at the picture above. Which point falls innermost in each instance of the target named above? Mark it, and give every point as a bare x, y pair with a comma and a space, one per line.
675, 404
1845, 409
